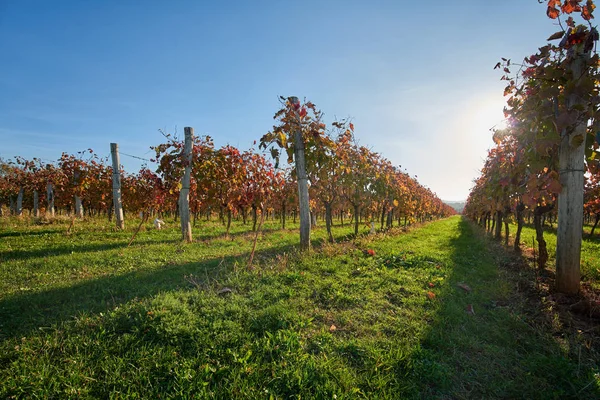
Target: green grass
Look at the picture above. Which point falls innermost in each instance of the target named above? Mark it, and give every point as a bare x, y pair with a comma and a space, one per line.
83, 316
590, 250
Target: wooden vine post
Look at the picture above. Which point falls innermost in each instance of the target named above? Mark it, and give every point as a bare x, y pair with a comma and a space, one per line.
50, 198
78, 205
570, 199
20, 202
36, 203
184, 194
300, 165
116, 185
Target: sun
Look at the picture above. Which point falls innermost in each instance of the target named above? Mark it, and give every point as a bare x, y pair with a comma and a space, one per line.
488, 115
501, 125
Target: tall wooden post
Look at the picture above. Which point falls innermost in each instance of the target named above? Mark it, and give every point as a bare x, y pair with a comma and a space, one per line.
116, 184
78, 207
36, 204
570, 199
20, 202
184, 194
50, 197
300, 164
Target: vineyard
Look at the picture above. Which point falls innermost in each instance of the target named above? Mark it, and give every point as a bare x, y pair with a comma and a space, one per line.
348, 181
310, 265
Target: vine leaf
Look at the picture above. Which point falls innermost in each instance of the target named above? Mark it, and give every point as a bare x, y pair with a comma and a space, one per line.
570, 6
552, 13
586, 12
556, 35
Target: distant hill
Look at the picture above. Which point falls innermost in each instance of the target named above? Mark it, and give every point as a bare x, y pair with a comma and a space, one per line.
457, 205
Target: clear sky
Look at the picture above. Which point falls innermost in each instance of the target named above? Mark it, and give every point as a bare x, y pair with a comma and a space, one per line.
416, 77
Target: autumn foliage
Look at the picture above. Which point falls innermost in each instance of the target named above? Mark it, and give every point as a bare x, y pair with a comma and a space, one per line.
347, 180
553, 97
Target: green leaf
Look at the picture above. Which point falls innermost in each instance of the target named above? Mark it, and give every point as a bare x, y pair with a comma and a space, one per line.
275, 153
557, 35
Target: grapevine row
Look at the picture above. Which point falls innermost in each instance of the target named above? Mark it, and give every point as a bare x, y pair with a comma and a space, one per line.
346, 180
545, 163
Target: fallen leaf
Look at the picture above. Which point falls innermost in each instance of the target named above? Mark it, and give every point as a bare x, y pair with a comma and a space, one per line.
430, 295
470, 309
332, 328
225, 290
464, 287
431, 284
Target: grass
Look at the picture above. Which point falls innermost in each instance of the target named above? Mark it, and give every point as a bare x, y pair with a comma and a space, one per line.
83, 316
590, 250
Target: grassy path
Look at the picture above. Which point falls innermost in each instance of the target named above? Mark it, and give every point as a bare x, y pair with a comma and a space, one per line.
339, 323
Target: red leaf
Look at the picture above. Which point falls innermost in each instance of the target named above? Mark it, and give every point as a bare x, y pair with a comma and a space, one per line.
586, 12
430, 295
570, 6
552, 13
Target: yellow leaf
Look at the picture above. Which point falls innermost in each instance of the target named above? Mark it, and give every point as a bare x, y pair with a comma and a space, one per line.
283, 139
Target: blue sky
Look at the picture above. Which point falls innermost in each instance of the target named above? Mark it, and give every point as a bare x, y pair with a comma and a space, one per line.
416, 78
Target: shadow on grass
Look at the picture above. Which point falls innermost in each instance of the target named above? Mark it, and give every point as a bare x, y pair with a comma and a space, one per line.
58, 251
29, 233
222, 235
501, 350
119, 242
22, 313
